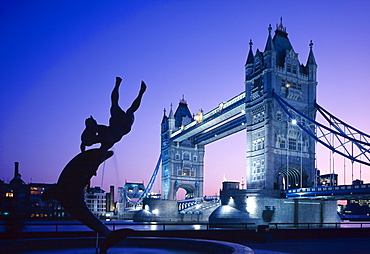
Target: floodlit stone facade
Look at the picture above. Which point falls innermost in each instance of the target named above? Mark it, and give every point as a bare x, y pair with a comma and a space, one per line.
182, 162
279, 154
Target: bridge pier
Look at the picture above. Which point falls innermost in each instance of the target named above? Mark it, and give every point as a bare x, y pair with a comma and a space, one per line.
265, 206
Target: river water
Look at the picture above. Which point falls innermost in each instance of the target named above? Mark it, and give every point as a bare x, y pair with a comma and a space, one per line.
52, 226
63, 226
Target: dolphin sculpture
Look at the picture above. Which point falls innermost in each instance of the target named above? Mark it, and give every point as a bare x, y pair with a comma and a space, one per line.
70, 192
76, 175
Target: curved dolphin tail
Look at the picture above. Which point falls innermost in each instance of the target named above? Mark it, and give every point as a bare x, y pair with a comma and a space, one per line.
115, 237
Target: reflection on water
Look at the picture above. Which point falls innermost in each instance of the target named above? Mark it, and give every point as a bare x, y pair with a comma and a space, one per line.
68, 226
114, 250
355, 224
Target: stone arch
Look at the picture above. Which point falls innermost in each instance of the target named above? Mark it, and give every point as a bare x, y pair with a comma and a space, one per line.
289, 177
190, 190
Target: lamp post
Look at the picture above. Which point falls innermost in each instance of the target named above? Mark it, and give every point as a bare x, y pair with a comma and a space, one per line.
293, 122
301, 173
287, 156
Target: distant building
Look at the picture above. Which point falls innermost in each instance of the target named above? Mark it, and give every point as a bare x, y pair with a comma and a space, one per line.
356, 210
357, 182
127, 195
328, 180
96, 201
14, 199
19, 200
44, 209
111, 206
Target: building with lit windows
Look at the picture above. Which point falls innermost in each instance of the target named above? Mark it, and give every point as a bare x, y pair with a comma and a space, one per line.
96, 201
19, 200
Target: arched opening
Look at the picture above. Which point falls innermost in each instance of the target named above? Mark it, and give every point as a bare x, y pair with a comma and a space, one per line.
289, 178
184, 192
180, 194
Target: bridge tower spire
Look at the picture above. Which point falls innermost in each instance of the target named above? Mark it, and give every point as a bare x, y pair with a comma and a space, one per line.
279, 155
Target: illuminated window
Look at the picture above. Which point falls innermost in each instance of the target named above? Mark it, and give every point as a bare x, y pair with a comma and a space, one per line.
283, 83
259, 144
186, 172
9, 194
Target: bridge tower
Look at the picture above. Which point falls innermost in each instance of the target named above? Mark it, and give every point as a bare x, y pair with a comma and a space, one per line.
279, 155
182, 162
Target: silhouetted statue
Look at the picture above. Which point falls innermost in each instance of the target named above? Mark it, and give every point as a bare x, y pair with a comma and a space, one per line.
70, 188
120, 122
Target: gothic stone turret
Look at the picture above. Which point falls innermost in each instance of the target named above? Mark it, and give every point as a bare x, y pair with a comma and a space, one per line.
182, 162
277, 151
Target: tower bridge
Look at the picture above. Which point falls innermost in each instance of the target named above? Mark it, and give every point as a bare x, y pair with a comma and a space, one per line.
277, 155
277, 110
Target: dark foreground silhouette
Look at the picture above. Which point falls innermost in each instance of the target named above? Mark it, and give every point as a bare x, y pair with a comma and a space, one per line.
76, 175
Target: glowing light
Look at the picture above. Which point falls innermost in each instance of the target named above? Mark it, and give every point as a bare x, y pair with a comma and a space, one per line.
155, 211
231, 202
252, 206
227, 208
287, 85
221, 106
199, 117
294, 121
197, 206
146, 207
153, 227
196, 227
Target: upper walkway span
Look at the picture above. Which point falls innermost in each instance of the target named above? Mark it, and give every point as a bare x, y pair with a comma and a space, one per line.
224, 120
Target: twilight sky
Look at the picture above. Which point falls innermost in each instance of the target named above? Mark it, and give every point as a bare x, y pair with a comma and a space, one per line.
59, 60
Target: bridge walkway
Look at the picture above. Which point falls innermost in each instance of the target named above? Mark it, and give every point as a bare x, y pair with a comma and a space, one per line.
339, 192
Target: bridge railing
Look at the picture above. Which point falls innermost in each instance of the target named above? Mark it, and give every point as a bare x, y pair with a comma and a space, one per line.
320, 225
187, 203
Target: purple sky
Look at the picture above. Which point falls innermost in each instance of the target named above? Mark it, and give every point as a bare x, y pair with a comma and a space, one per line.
59, 60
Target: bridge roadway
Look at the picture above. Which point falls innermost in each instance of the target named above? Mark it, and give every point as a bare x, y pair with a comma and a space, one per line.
224, 120
330, 192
